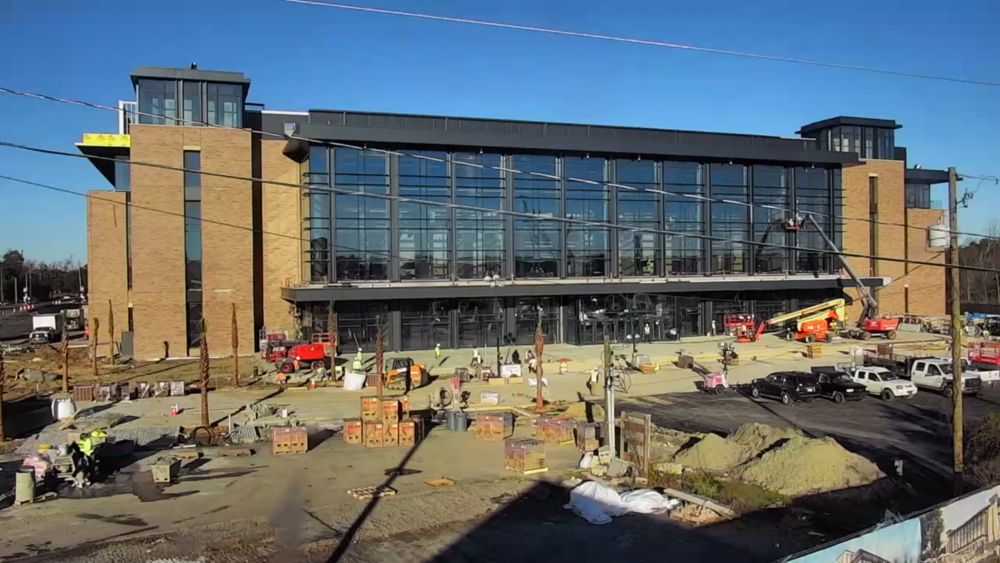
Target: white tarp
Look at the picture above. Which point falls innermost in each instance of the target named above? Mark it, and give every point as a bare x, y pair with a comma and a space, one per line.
354, 381
598, 504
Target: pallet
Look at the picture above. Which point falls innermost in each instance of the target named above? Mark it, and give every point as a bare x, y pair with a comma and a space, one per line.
366, 493
441, 482
533, 471
236, 452
186, 455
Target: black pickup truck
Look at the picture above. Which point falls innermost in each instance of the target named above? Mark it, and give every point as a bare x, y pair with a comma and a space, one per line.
837, 385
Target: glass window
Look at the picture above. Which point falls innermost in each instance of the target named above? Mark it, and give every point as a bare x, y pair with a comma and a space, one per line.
479, 235
771, 187
425, 324
192, 104
159, 98
588, 251
537, 243
479, 321
869, 151
362, 222
317, 219
812, 194
424, 230
123, 174
358, 323
225, 105
683, 254
835, 139
192, 179
885, 144
918, 196
729, 220
638, 251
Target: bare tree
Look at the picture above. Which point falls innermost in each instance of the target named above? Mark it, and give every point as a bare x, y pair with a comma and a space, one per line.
65, 359
539, 348
93, 344
3, 383
331, 329
379, 354
235, 332
203, 368
111, 330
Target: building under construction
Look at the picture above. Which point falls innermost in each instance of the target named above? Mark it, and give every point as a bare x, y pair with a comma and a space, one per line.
428, 225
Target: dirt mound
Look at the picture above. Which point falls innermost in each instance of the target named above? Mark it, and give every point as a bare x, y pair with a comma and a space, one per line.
759, 437
579, 411
714, 454
803, 466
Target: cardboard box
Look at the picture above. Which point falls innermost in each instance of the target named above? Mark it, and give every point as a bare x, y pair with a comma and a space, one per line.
374, 434
389, 411
370, 409
353, 430
391, 437
293, 440
515, 381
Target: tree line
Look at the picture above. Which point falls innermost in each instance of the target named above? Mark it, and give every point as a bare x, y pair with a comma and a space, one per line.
46, 280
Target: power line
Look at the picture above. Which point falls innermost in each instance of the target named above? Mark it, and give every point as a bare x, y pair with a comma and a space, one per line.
696, 197
526, 216
680, 46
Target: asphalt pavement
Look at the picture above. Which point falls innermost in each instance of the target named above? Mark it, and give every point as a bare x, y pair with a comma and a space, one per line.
917, 429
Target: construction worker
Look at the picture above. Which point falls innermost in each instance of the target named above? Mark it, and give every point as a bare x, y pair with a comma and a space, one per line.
89, 445
437, 351
647, 333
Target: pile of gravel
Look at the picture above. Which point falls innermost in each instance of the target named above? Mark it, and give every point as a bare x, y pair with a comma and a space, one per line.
803, 466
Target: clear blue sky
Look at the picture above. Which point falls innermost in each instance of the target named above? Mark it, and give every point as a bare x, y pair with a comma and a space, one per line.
301, 57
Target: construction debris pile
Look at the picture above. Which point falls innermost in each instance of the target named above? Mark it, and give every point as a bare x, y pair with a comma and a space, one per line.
780, 460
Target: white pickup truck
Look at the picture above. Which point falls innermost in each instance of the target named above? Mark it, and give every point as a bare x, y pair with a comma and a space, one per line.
882, 382
928, 373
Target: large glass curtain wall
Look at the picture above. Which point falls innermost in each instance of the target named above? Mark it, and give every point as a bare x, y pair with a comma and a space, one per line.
771, 187
317, 215
425, 324
638, 251
479, 235
424, 230
537, 243
588, 250
357, 324
730, 221
526, 312
362, 222
479, 322
812, 194
683, 254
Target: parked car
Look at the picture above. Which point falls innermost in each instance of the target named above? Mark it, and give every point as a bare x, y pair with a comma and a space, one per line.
837, 385
883, 383
788, 386
41, 336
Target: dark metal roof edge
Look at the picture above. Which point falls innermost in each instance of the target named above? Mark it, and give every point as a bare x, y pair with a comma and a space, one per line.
847, 120
410, 291
167, 73
105, 167
681, 149
923, 176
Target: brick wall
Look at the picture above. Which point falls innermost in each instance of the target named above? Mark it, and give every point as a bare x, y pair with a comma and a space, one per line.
282, 224
926, 284
159, 311
107, 261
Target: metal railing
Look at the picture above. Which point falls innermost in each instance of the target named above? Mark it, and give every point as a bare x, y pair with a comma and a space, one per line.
127, 115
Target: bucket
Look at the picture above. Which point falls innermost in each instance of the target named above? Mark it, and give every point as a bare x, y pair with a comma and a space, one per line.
24, 488
461, 422
450, 419
63, 409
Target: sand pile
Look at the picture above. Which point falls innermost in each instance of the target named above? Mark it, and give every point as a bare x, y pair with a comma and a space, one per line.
714, 454
804, 466
579, 412
760, 437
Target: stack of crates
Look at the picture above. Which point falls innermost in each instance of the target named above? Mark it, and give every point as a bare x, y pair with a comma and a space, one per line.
524, 455
814, 351
587, 433
554, 430
389, 410
371, 419
352, 430
292, 440
494, 428
374, 434
370, 410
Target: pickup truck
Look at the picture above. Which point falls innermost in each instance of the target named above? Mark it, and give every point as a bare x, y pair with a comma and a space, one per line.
882, 382
927, 373
837, 385
989, 374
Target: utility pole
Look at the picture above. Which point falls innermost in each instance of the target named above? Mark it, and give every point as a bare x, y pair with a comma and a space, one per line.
956, 330
609, 397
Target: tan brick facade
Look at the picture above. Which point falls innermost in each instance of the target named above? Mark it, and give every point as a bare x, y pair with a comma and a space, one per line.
282, 224
107, 261
158, 242
926, 284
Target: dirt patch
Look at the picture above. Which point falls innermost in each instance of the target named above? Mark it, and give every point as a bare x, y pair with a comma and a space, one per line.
666, 443
713, 453
803, 466
760, 437
579, 411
